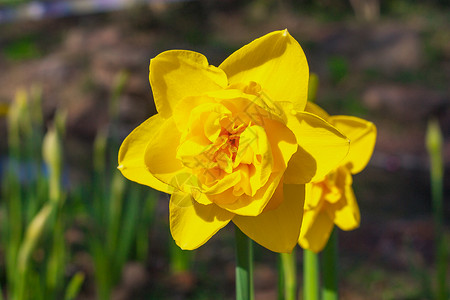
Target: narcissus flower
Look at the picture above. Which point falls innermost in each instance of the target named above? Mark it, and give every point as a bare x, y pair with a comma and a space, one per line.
233, 142
331, 200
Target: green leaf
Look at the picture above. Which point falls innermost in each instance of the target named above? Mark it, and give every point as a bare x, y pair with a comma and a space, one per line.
74, 286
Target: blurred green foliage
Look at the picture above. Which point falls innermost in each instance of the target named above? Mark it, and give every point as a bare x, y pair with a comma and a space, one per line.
22, 49
32, 205
36, 210
338, 68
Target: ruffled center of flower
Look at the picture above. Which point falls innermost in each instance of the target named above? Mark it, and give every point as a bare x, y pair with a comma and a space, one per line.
225, 146
331, 187
332, 191
221, 153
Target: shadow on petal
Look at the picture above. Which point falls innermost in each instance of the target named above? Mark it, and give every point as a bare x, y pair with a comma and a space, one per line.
301, 168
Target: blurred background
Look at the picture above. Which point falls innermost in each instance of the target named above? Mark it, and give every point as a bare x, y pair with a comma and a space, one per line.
74, 83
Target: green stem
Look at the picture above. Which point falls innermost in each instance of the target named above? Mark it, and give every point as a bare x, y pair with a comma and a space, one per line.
288, 272
329, 268
244, 266
280, 290
434, 144
180, 260
311, 275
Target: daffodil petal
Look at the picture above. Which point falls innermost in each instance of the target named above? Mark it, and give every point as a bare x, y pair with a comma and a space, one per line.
184, 107
322, 148
254, 139
252, 206
316, 110
223, 184
193, 224
314, 195
278, 229
315, 231
362, 135
346, 213
177, 74
131, 154
160, 156
283, 143
275, 61
277, 198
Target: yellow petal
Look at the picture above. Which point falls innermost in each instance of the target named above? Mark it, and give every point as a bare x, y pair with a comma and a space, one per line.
132, 152
334, 184
160, 157
316, 230
184, 107
316, 110
322, 148
193, 224
212, 126
362, 135
277, 198
247, 205
254, 140
192, 152
278, 229
201, 116
223, 183
177, 74
346, 212
314, 195
275, 61
282, 141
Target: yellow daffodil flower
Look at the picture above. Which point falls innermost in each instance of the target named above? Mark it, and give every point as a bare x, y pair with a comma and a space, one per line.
233, 142
331, 199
